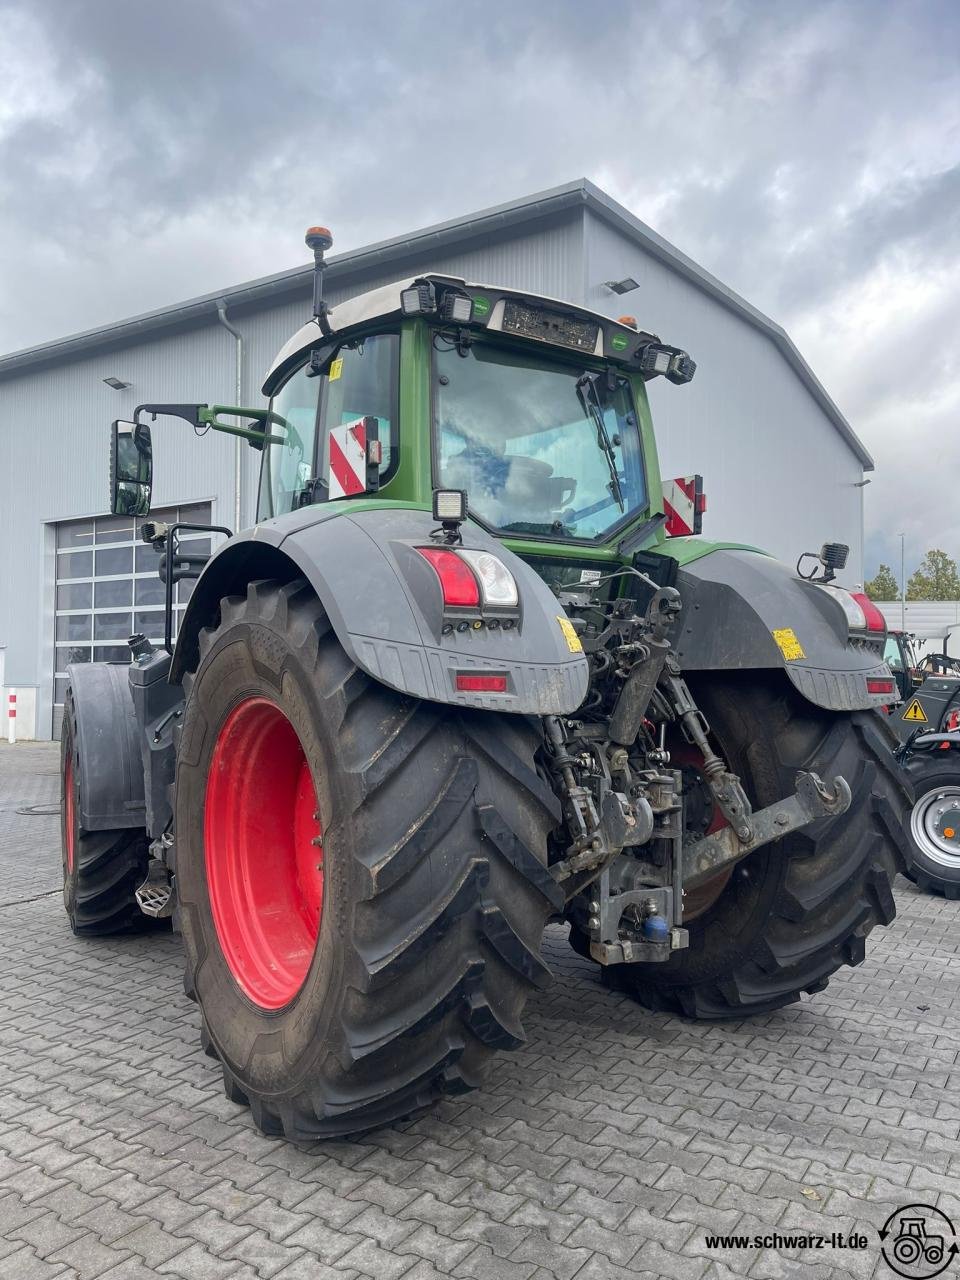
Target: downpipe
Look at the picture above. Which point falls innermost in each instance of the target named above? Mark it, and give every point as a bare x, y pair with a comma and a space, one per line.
238, 443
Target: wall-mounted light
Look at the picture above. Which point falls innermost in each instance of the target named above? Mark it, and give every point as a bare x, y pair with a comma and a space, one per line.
117, 384
626, 285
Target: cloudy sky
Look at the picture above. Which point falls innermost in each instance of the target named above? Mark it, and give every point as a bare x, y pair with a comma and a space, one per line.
808, 154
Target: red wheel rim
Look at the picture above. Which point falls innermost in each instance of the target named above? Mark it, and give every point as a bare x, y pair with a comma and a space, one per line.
264, 858
68, 813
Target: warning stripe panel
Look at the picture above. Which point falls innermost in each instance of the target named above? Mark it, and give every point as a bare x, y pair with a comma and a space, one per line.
347, 459
679, 506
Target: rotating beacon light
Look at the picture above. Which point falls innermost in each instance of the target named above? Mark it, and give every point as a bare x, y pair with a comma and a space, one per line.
319, 240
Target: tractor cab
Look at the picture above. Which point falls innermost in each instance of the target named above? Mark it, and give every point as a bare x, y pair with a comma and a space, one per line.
900, 656
535, 409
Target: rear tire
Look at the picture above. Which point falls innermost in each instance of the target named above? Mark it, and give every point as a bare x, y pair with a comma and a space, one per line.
432, 895
796, 910
101, 869
934, 863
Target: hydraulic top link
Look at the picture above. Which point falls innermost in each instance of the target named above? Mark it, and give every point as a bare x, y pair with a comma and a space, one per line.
725, 787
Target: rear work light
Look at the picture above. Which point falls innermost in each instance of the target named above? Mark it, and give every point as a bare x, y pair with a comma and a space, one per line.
471, 578
481, 684
419, 300
874, 619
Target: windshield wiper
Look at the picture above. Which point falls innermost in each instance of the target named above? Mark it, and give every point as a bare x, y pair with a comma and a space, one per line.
587, 392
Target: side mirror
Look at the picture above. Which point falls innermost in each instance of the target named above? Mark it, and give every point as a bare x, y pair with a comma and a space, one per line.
131, 469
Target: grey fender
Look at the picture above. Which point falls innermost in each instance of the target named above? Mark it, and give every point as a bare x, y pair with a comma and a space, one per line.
108, 747
734, 604
384, 603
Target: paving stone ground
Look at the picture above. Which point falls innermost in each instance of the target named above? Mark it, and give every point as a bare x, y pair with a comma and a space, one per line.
611, 1145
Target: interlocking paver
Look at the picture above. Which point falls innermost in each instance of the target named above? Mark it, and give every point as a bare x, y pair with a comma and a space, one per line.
25, 1264
611, 1145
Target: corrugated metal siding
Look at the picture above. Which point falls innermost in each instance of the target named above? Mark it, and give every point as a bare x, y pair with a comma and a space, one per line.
55, 430
775, 470
925, 617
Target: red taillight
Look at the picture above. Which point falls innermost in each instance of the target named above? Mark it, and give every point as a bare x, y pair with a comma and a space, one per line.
481, 684
874, 618
460, 588
880, 686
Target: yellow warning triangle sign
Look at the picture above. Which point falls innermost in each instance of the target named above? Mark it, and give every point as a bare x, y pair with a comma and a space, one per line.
914, 712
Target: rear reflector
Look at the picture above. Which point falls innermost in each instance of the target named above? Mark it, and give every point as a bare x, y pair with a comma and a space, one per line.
872, 616
460, 588
481, 684
880, 686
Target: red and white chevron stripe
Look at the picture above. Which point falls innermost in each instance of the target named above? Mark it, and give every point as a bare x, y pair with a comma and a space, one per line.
347, 470
683, 505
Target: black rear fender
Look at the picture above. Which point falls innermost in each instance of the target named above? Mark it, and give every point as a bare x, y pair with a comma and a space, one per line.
385, 604
746, 611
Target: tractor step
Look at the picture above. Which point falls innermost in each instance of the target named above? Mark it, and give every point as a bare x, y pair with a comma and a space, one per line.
155, 895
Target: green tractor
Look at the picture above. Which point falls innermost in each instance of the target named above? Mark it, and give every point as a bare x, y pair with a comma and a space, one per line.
456, 683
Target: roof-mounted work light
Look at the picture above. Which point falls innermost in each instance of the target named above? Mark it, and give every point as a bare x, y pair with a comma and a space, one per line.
419, 300
675, 365
456, 308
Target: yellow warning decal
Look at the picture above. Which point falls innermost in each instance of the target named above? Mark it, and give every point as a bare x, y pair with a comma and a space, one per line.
914, 712
570, 635
788, 644
336, 369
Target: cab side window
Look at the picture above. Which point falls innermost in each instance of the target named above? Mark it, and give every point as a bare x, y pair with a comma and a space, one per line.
361, 382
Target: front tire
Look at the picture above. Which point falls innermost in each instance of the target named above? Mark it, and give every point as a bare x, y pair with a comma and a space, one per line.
933, 824
796, 910
361, 876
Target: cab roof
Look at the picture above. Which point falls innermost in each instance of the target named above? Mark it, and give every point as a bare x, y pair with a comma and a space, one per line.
384, 304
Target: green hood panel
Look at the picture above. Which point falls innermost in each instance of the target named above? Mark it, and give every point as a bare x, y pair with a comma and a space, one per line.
686, 550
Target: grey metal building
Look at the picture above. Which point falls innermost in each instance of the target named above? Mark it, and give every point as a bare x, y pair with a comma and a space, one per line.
782, 467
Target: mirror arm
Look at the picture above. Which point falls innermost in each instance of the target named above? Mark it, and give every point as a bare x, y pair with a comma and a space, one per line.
202, 416
190, 412
209, 416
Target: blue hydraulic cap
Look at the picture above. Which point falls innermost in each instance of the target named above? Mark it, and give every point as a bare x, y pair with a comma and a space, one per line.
655, 929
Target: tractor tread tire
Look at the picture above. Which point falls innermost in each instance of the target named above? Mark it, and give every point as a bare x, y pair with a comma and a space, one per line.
925, 772
109, 866
827, 885
439, 928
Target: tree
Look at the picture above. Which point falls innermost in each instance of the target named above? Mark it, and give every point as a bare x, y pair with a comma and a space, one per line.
884, 586
936, 578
